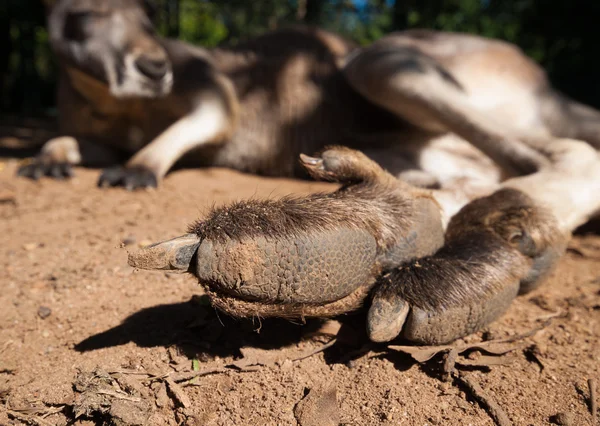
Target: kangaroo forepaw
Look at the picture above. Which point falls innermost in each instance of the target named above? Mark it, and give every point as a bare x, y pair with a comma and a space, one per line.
131, 178
39, 168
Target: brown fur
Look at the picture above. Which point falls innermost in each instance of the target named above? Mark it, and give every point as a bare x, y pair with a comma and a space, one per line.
512, 216
297, 90
492, 242
463, 272
376, 202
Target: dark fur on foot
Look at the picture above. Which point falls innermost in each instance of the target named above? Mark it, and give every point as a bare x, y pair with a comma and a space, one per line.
371, 199
493, 246
38, 169
131, 178
303, 251
518, 220
463, 272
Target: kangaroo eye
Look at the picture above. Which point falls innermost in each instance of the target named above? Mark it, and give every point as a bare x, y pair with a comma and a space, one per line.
76, 25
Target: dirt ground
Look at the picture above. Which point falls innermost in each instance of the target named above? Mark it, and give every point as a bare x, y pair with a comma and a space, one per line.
86, 339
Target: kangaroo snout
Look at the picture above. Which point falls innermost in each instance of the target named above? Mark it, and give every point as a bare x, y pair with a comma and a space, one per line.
153, 68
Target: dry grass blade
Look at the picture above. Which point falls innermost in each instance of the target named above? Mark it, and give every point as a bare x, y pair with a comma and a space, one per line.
486, 361
188, 375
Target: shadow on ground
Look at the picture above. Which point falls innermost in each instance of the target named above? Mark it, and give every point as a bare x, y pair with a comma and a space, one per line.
195, 326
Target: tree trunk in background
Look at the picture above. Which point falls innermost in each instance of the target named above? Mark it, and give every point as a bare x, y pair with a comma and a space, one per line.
174, 27
400, 15
301, 10
171, 18
5, 47
309, 11
313, 11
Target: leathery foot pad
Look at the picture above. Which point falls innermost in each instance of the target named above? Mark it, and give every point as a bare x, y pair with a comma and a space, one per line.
321, 255
295, 275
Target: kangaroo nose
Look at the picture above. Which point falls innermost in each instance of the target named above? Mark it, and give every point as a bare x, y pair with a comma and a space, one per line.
154, 69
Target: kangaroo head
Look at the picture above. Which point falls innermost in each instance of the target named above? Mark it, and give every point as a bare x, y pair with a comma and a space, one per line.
112, 41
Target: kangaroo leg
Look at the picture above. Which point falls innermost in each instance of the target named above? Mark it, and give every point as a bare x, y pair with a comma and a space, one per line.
496, 247
567, 118
59, 155
418, 89
570, 187
308, 256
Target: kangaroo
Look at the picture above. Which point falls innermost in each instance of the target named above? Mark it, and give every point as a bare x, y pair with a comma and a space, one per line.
431, 107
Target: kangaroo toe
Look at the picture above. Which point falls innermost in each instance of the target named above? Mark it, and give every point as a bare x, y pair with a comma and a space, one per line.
131, 178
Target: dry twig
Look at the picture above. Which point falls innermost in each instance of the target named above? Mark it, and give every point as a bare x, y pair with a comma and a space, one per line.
189, 375
489, 404
316, 350
593, 406
118, 395
28, 418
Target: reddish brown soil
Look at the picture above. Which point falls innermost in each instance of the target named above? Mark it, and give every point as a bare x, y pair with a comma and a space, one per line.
62, 254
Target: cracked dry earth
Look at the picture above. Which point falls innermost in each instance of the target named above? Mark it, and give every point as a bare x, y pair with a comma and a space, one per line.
85, 339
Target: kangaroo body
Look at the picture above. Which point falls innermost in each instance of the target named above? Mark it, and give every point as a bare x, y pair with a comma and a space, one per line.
433, 108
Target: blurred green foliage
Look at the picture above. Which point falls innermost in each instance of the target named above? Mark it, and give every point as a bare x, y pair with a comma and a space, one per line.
561, 35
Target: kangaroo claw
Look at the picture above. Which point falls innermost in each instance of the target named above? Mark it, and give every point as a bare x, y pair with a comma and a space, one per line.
174, 254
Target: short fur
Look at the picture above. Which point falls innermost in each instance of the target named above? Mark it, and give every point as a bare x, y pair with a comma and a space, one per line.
370, 200
376, 202
416, 101
462, 273
514, 217
490, 242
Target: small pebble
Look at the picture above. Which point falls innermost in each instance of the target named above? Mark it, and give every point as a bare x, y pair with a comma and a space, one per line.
44, 312
489, 335
127, 241
7, 196
563, 419
144, 243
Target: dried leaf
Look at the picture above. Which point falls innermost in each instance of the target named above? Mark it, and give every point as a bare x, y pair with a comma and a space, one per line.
319, 407
178, 393
493, 347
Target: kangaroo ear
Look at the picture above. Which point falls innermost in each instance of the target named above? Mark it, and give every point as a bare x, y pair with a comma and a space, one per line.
175, 254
